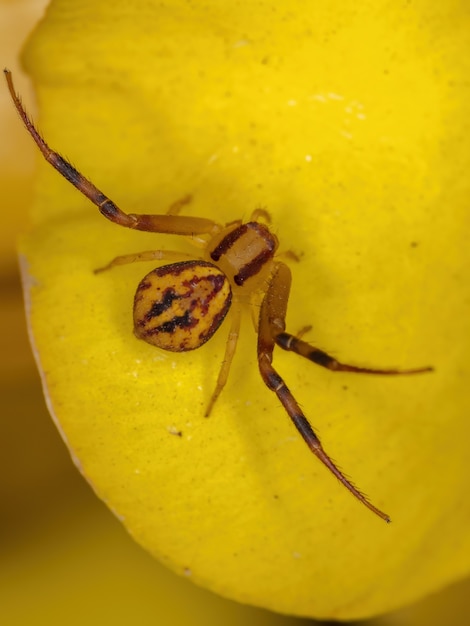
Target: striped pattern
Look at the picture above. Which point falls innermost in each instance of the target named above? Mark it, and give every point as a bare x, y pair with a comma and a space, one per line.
252, 245
180, 306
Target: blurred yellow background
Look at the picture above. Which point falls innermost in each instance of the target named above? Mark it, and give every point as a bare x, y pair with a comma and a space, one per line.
64, 558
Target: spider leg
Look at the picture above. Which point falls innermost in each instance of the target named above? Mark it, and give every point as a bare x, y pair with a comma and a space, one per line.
304, 330
286, 341
170, 224
148, 255
260, 214
272, 322
230, 348
175, 208
288, 255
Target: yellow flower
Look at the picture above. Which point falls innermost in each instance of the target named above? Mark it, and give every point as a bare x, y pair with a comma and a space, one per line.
347, 124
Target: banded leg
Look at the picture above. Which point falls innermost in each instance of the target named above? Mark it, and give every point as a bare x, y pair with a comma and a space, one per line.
286, 341
169, 224
272, 322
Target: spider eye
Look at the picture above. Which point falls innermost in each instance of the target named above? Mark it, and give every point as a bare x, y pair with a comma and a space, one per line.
179, 307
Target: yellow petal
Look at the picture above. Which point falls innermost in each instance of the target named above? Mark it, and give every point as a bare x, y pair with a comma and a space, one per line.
348, 125
450, 606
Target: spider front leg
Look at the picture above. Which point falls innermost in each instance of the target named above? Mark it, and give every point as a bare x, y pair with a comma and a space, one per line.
271, 325
168, 224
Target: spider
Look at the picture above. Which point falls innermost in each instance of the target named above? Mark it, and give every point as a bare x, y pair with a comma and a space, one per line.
178, 307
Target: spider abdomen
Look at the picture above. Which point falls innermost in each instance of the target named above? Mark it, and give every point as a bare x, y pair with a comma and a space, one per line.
178, 307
